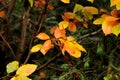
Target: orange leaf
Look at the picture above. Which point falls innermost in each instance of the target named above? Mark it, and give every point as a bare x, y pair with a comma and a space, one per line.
77, 54
36, 3
43, 2
60, 33
50, 7
2, 14
52, 30
111, 18
72, 27
114, 2
69, 15
46, 47
43, 36
107, 26
69, 47
65, 18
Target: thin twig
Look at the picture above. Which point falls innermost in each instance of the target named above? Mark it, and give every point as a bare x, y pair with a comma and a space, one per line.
90, 34
9, 46
52, 59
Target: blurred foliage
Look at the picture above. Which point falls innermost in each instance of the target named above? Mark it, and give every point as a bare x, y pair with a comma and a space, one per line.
102, 51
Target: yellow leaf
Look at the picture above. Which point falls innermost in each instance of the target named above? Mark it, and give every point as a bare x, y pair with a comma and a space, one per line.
114, 2
26, 69
31, 2
70, 38
79, 47
20, 77
116, 29
77, 54
43, 36
46, 47
36, 48
65, 1
91, 1
60, 33
63, 24
91, 10
72, 27
99, 21
12, 66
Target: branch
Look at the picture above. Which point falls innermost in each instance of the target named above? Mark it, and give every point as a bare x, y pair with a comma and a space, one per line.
8, 46
52, 59
90, 34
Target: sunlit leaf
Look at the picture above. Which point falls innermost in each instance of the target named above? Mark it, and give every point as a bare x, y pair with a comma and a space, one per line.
20, 77
79, 47
78, 11
91, 10
65, 1
69, 47
116, 29
26, 69
36, 48
12, 66
114, 2
99, 21
91, 1
46, 47
77, 54
63, 24
60, 33
31, 2
2, 14
43, 36
118, 6
72, 27
87, 16
52, 30
70, 38
69, 15
107, 26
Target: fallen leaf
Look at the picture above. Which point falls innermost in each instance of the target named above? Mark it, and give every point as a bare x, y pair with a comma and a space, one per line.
46, 47
26, 70
20, 77
69, 15
43, 36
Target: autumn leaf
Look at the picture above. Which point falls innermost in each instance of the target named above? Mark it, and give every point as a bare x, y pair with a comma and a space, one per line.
65, 1
36, 48
50, 7
12, 66
99, 21
26, 70
114, 2
46, 47
31, 2
2, 14
43, 36
91, 10
63, 25
60, 33
79, 47
20, 77
116, 29
91, 1
69, 15
118, 6
72, 27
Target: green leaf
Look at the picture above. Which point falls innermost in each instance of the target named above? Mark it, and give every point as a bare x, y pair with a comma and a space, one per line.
100, 48
86, 64
78, 12
118, 6
31, 2
12, 66
116, 29
36, 48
